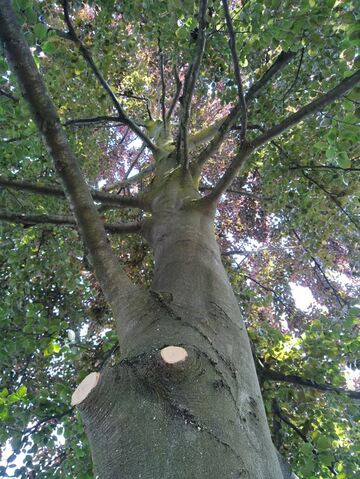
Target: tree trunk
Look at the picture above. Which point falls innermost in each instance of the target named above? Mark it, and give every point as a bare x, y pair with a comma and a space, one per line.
201, 417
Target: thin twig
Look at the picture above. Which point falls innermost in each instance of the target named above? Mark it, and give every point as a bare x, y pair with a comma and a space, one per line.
322, 167
333, 199
319, 267
138, 97
133, 179
268, 289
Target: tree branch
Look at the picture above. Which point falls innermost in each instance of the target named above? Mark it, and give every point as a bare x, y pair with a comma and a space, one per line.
266, 288
309, 109
95, 119
138, 97
333, 199
319, 267
133, 179
276, 410
176, 96
163, 85
189, 86
322, 167
236, 192
88, 58
271, 375
225, 181
115, 283
104, 198
296, 76
240, 160
8, 95
280, 63
237, 73
33, 219
221, 131
136, 159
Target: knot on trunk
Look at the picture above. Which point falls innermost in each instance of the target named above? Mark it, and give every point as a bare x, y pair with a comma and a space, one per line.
164, 367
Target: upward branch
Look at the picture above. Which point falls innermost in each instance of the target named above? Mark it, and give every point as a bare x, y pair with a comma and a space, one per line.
218, 130
240, 159
113, 280
88, 58
237, 73
281, 61
309, 109
163, 85
189, 86
176, 96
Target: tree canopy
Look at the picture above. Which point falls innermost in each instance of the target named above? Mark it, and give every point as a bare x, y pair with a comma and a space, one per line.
289, 222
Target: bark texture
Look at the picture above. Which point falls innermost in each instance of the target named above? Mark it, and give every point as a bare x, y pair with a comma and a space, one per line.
203, 417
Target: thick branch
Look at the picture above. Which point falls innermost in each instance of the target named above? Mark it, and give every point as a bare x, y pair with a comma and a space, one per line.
33, 219
88, 58
237, 73
281, 61
236, 192
313, 107
104, 198
269, 374
189, 86
225, 181
133, 179
309, 109
113, 280
296, 75
221, 131
133, 163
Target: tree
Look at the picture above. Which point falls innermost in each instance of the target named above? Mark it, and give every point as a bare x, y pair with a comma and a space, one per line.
242, 108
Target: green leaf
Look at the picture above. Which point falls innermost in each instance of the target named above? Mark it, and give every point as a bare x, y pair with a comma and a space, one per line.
48, 47
40, 31
22, 391
343, 160
323, 443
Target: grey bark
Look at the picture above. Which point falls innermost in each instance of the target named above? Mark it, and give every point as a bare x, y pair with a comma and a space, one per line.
203, 418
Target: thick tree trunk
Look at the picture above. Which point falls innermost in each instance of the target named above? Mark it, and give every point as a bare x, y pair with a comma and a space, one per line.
199, 418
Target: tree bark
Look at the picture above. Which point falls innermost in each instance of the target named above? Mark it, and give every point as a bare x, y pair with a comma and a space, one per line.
202, 417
